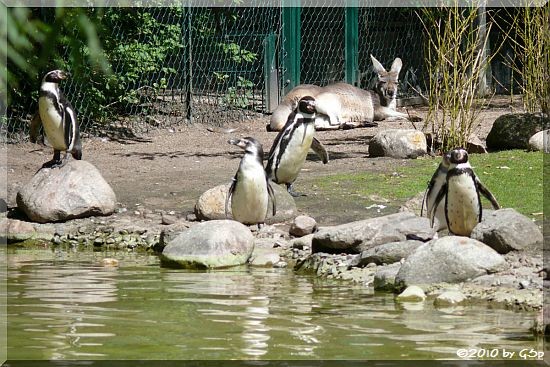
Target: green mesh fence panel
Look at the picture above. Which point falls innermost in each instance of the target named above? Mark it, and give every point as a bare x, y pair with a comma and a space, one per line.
214, 65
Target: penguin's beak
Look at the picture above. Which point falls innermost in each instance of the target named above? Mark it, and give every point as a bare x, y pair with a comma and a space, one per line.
241, 143
62, 75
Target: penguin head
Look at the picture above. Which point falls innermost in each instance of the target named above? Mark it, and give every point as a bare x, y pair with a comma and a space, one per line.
446, 159
306, 105
55, 76
458, 156
249, 145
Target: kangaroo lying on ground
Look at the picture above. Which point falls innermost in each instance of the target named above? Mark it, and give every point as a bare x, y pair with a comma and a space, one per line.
342, 105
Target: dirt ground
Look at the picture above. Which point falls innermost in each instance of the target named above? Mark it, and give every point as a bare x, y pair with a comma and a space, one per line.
168, 169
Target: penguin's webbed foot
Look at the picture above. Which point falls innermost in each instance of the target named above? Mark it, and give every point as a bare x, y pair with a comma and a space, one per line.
54, 163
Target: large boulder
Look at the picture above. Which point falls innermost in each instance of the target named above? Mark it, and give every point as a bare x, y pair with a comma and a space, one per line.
211, 205
398, 143
506, 230
513, 131
450, 259
212, 244
356, 237
76, 190
540, 142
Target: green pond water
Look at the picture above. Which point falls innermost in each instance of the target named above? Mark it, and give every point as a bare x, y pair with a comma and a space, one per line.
66, 305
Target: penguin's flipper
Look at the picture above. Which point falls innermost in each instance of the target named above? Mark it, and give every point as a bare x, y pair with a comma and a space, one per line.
437, 201
271, 194
229, 194
424, 202
320, 150
485, 191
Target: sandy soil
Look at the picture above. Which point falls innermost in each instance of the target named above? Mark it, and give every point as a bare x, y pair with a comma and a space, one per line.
169, 168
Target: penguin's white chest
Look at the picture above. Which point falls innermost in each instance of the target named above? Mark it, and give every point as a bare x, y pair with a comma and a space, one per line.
462, 205
250, 198
295, 153
52, 122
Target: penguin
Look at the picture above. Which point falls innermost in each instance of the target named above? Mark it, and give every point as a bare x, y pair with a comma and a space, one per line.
463, 210
289, 150
58, 119
434, 186
250, 189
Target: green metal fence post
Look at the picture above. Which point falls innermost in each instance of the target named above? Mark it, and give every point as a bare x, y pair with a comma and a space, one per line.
352, 42
270, 73
291, 44
189, 62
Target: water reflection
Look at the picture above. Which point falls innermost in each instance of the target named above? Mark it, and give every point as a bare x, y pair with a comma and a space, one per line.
69, 307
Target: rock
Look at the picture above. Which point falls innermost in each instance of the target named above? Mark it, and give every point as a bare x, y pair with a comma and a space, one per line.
168, 219
384, 278
13, 231
323, 264
449, 298
211, 205
412, 293
414, 204
513, 131
213, 244
475, 145
76, 190
3, 206
540, 142
302, 226
302, 243
356, 237
389, 253
398, 143
264, 253
507, 230
450, 259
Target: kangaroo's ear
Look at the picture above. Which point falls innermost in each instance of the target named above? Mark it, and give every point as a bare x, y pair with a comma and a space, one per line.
396, 65
378, 68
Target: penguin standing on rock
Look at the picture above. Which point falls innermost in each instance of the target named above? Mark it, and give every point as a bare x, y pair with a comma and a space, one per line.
439, 179
290, 148
461, 190
250, 189
59, 120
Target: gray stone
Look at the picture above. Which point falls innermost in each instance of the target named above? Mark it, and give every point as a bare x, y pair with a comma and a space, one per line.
265, 253
13, 231
414, 204
389, 253
507, 230
513, 131
76, 190
384, 278
211, 205
359, 236
449, 298
412, 293
302, 226
540, 142
475, 145
450, 259
213, 244
302, 242
398, 143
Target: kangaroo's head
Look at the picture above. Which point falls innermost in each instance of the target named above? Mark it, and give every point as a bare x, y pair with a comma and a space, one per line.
386, 87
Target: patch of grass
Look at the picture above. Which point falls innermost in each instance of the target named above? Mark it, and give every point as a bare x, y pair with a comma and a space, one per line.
515, 178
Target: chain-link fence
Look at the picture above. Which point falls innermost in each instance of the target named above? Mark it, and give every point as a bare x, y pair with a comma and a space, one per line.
175, 65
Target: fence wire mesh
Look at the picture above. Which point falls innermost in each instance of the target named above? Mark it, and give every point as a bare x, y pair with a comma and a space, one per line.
176, 65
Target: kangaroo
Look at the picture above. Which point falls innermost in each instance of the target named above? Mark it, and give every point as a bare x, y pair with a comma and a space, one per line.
342, 105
